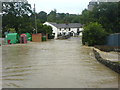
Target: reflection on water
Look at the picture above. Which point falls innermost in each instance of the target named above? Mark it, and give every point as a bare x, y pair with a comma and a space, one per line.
54, 64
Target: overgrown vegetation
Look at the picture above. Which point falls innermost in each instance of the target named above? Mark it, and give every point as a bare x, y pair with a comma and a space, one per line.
20, 18
107, 17
94, 34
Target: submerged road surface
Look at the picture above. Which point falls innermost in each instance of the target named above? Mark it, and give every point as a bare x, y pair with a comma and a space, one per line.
54, 64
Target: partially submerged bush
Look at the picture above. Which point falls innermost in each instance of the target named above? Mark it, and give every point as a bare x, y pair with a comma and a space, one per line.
94, 34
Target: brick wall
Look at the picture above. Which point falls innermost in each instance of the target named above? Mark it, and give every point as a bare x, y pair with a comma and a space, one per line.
37, 37
46, 36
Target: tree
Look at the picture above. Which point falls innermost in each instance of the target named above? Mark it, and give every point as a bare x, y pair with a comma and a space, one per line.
60, 17
42, 17
16, 16
16, 8
86, 17
44, 29
52, 16
94, 34
106, 13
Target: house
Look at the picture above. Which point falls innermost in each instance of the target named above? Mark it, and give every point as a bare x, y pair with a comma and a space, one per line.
65, 29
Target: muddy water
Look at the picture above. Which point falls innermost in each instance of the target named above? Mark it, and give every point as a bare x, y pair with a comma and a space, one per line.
0, 67
54, 64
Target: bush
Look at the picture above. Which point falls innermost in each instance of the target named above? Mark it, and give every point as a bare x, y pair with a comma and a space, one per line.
44, 29
94, 34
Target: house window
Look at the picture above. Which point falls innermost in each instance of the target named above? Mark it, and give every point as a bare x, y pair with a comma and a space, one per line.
60, 29
64, 28
78, 32
69, 29
77, 29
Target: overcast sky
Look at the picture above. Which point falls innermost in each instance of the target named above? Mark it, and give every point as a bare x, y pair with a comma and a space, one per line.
62, 6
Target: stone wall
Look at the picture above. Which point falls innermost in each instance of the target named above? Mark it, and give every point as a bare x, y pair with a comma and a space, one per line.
107, 48
112, 65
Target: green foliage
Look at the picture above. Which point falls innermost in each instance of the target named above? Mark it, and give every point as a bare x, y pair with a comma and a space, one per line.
86, 17
52, 16
104, 15
16, 16
42, 17
44, 29
107, 15
16, 8
20, 18
94, 34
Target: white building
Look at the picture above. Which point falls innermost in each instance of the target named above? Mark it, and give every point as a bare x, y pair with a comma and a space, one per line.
92, 3
65, 29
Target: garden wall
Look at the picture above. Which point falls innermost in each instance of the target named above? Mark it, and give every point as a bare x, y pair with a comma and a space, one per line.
37, 37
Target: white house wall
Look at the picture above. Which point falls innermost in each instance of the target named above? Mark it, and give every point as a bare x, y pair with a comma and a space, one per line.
63, 31
74, 30
67, 30
55, 30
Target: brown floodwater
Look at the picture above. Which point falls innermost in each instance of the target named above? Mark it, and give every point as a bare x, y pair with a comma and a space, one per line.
54, 64
0, 67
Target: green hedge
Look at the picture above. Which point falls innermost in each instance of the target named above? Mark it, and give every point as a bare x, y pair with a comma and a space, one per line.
94, 34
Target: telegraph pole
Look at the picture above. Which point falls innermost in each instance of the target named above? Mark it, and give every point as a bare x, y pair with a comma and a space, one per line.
35, 19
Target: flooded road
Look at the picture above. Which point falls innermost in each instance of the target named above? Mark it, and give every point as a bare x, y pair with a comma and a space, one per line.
54, 64
0, 67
